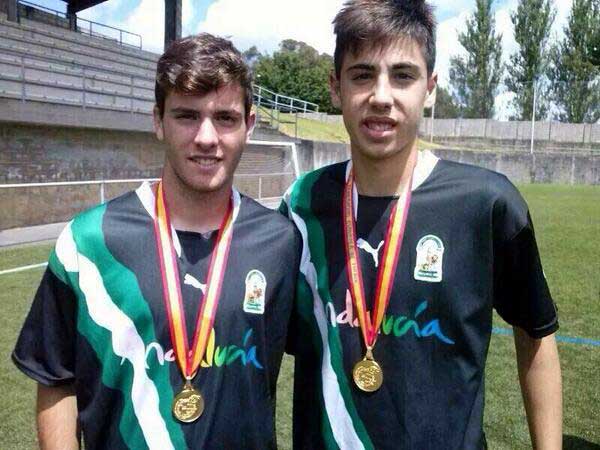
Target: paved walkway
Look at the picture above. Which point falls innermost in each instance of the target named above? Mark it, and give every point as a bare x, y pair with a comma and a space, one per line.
26, 235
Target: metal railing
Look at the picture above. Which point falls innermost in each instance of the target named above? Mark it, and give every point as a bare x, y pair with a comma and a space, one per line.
91, 28
280, 102
102, 183
270, 106
273, 117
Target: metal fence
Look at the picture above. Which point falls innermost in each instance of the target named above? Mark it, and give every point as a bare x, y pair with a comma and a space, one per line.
529, 116
42, 203
84, 26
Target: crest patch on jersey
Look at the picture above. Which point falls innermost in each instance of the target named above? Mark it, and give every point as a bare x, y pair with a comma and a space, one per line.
254, 299
430, 253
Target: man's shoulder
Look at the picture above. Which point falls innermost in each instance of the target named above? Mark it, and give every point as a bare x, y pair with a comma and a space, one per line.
485, 191
92, 228
262, 216
327, 179
472, 179
251, 208
91, 218
334, 172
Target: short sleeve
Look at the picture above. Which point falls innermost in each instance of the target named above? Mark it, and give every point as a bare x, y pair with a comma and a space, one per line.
45, 348
521, 294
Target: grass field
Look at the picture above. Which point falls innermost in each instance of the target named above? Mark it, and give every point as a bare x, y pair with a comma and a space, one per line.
317, 130
568, 230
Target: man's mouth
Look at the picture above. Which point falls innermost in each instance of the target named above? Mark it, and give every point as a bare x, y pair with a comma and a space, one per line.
205, 161
379, 125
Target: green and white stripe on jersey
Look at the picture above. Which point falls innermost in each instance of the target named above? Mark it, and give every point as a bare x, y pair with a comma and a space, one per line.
116, 321
341, 426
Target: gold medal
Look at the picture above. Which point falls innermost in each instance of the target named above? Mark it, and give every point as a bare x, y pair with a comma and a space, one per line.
367, 374
188, 405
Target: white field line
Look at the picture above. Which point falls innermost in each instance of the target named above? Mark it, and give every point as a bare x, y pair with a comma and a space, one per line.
21, 269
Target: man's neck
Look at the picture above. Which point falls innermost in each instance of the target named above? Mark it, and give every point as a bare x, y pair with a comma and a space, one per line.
195, 211
384, 177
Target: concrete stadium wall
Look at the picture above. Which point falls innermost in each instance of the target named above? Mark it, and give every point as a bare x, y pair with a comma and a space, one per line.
586, 136
314, 154
324, 117
43, 154
554, 168
573, 133
49, 154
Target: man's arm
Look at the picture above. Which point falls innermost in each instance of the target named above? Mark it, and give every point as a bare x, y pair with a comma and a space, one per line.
57, 418
541, 386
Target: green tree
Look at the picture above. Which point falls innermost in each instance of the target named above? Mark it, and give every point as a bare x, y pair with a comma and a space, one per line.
594, 45
475, 77
445, 108
297, 70
532, 21
251, 56
575, 73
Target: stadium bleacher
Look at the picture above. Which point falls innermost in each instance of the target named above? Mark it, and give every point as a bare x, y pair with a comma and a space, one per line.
59, 66
57, 88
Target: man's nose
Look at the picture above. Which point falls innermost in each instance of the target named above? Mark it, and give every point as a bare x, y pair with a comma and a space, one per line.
207, 135
382, 93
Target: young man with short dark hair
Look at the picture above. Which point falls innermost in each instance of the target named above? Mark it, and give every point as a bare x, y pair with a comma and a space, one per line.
405, 256
162, 318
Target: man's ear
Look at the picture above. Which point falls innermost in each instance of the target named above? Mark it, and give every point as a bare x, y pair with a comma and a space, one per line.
250, 123
334, 90
431, 90
158, 124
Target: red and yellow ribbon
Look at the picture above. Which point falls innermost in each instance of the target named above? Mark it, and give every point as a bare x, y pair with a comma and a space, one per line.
369, 324
189, 359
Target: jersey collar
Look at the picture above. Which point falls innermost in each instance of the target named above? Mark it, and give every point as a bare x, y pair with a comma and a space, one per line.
146, 195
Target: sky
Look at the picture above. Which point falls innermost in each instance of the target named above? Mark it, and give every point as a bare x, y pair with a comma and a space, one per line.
265, 23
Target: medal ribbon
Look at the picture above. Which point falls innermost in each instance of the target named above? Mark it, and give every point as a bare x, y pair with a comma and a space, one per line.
189, 359
369, 324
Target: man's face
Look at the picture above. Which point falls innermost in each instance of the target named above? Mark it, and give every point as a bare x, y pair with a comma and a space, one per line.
204, 137
381, 93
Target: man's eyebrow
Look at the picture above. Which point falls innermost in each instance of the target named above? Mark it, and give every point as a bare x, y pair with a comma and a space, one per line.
405, 65
361, 66
371, 67
232, 111
182, 110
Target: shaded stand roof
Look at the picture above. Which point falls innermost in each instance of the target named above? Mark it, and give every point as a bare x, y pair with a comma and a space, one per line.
172, 15
79, 5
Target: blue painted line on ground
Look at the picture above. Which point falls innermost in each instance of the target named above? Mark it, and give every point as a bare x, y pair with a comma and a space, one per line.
564, 339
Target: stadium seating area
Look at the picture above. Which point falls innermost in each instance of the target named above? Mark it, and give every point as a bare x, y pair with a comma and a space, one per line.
77, 108
39, 62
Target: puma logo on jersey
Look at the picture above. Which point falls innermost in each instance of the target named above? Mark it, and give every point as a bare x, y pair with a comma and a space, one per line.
374, 252
191, 281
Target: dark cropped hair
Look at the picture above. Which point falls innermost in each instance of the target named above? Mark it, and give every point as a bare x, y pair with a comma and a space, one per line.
366, 23
200, 64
